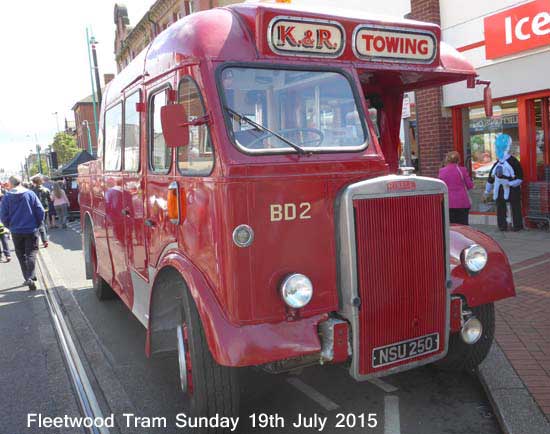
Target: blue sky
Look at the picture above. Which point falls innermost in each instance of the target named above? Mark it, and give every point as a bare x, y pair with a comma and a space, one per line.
44, 66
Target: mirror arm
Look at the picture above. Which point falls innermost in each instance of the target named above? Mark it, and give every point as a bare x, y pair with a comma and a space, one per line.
196, 122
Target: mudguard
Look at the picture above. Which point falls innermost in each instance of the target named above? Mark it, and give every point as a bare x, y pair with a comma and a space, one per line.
250, 345
493, 283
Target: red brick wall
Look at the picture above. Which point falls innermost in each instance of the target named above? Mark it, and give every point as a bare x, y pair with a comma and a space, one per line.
85, 112
434, 123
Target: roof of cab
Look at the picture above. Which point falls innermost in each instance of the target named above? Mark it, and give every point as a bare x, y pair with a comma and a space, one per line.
231, 33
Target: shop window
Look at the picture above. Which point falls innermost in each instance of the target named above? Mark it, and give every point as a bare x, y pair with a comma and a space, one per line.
479, 134
541, 138
160, 155
113, 138
131, 134
197, 158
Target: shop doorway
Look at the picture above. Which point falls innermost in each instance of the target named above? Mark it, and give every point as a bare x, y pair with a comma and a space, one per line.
536, 191
538, 138
479, 133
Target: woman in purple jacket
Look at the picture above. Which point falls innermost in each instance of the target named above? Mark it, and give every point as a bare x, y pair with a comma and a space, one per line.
458, 183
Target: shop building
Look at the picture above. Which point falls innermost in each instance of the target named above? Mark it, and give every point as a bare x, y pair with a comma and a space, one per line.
509, 44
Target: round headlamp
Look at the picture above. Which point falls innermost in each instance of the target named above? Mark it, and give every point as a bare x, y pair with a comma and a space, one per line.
296, 290
474, 258
472, 331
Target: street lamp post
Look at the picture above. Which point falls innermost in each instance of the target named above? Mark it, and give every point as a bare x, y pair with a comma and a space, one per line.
93, 43
56, 120
39, 159
87, 126
94, 102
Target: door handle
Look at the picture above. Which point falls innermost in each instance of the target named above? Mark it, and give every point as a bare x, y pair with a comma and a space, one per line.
149, 222
125, 212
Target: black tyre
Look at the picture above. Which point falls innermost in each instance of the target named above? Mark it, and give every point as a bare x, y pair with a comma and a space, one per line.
212, 389
465, 357
102, 290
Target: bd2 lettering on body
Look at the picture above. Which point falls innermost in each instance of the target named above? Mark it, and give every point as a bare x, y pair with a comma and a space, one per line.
289, 211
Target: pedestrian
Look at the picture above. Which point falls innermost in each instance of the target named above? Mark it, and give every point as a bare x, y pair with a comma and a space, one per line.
4, 248
22, 213
60, 203
50, 219
505, 178
458, 183
43, 195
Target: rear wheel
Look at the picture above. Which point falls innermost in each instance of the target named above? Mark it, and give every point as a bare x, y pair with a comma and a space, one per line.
209, 388
102, 290
466, 357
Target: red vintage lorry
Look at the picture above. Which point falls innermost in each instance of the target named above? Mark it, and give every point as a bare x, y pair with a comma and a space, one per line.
247, 205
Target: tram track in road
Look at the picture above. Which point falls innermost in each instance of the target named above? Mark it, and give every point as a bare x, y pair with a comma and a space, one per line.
87, 399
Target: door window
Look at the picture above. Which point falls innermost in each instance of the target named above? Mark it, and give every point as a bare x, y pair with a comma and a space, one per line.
197, 158
160, 155
131, 133
113, 138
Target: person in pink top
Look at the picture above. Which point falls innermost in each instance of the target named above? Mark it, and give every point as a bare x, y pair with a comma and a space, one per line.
458, 183
60, 203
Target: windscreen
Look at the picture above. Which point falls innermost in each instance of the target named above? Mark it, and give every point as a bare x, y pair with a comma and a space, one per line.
315, 110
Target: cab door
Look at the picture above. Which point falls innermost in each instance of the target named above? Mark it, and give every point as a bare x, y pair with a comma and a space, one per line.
114, 200
133, 188
160, 233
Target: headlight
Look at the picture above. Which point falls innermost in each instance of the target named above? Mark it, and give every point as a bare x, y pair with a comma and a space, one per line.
296, 290
472, 331
474, 258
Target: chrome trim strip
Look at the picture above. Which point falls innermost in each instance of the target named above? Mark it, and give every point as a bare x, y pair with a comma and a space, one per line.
347, 256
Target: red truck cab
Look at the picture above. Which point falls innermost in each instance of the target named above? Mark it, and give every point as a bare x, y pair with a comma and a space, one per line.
246, 205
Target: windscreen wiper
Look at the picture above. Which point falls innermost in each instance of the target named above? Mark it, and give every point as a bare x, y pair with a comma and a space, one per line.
299, 149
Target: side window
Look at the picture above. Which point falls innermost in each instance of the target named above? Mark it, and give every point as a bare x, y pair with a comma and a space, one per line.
160, 155
197, 158
113, 138
131, 134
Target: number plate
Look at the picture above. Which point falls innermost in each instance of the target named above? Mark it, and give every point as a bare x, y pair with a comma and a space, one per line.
404, 350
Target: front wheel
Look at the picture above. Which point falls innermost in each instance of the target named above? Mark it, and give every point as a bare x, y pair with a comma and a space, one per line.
466, 357
209, 388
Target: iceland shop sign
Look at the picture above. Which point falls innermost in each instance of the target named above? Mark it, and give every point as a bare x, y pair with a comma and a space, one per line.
518, 29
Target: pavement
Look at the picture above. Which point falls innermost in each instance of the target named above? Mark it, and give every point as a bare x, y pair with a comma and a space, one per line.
33, 378
516, 374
